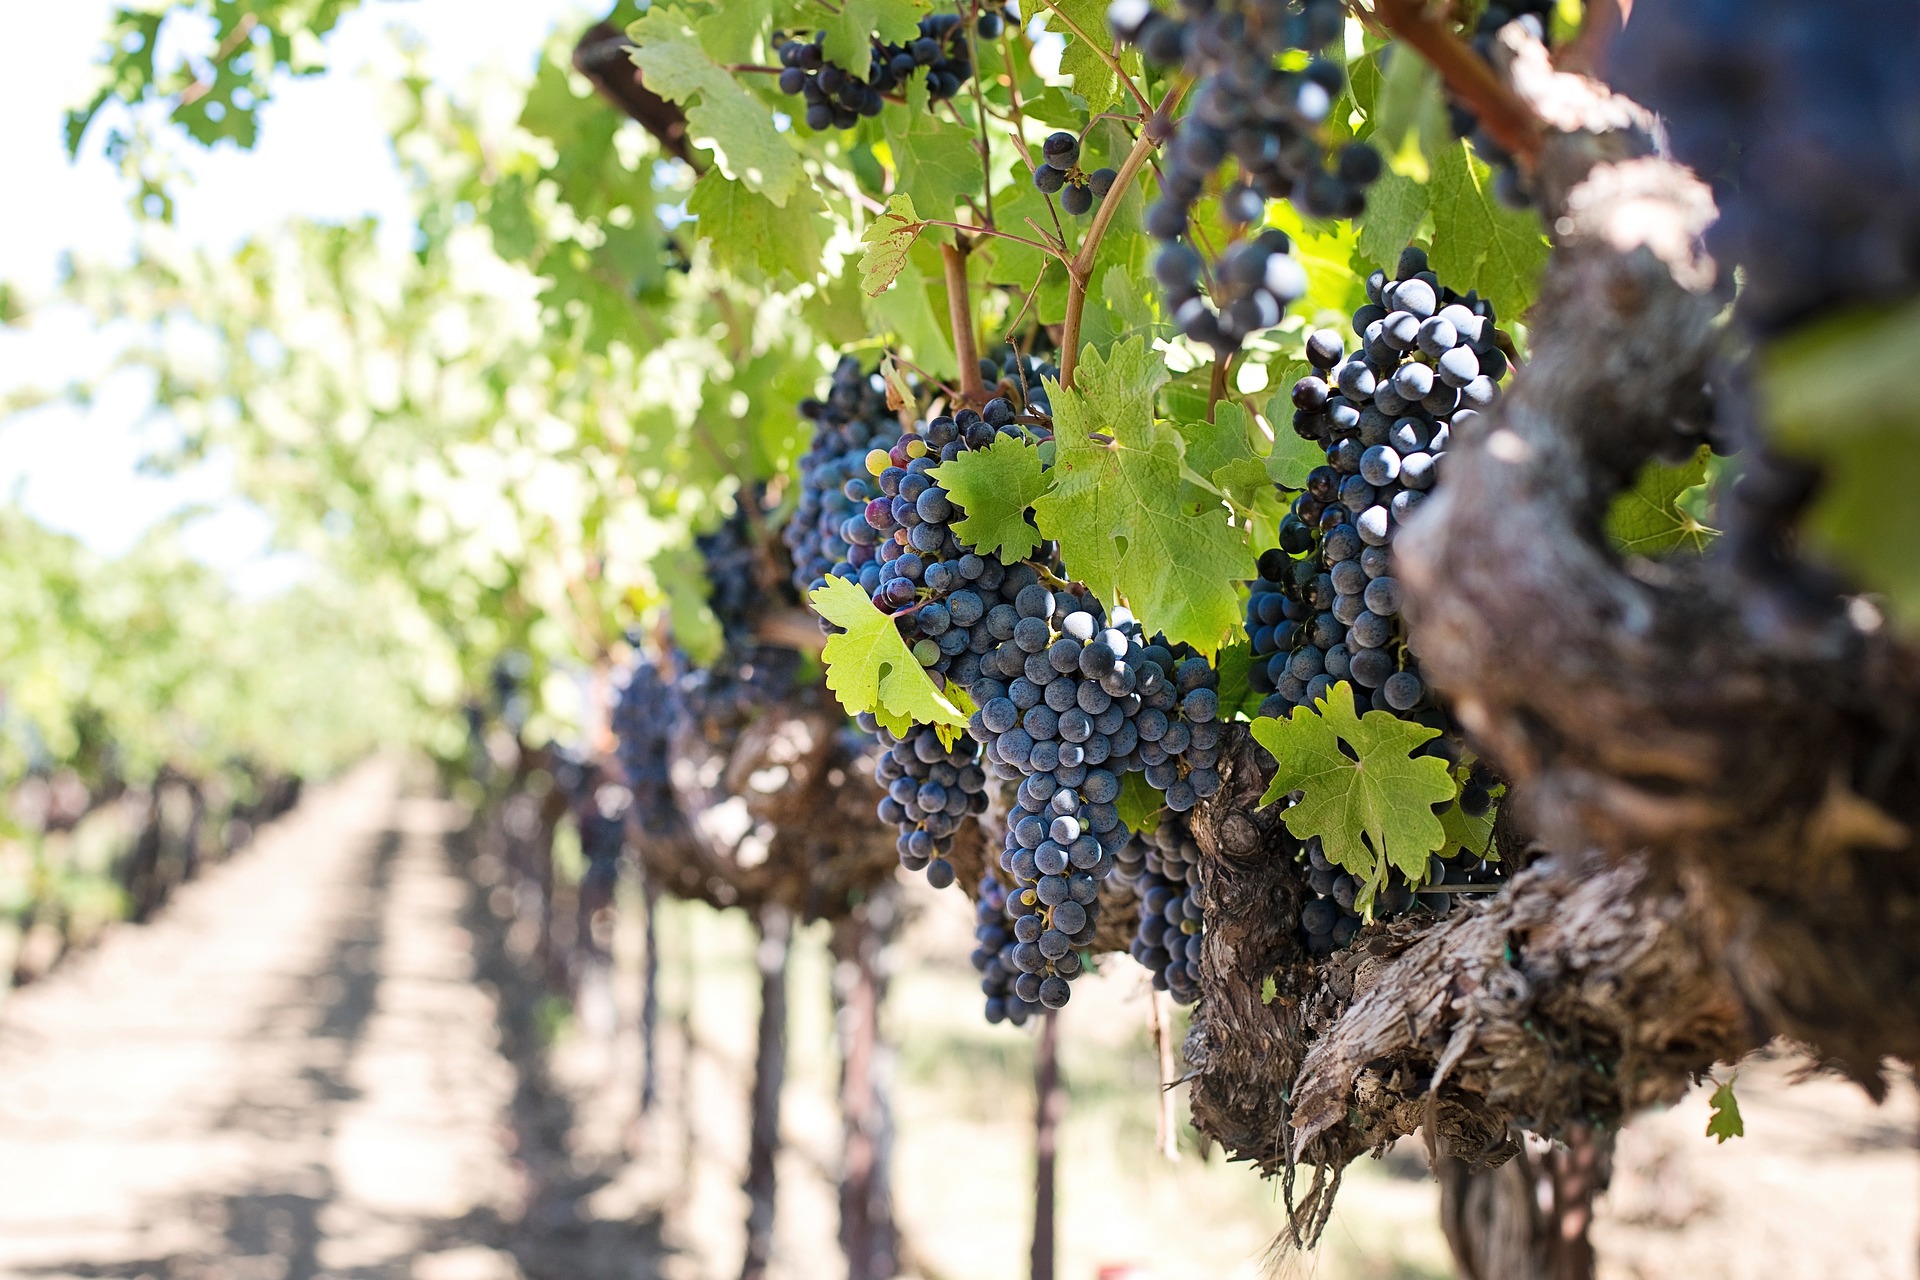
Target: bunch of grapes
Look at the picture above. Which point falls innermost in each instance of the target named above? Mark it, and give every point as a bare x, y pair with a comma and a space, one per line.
1430, 361
1164, 869
1267, 118
838, 99
993, 930
931, 789
1020, 380
834, 485
1802, 117
1060, 174
643, 724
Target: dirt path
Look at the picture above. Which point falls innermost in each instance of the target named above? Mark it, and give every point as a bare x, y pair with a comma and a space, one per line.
292, 1073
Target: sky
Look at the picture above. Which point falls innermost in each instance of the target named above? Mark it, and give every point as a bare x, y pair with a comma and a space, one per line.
322, 154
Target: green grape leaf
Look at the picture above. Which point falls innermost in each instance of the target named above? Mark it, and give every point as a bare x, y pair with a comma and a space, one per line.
870, 668
1725, 1122
1863, 429
1009, 262
1478, 243
907, 312
1471, 836
950, 733
1407, 84
750, 236
1292, 457
995, 486
1326, 251
1140, 806
681, 573
1220, 453
848, 44
1233, 666
1396, 206
889, 239
1116, 505
1267, 990
936, 163
1373, 805
720, 111
1648, 520
1082, 21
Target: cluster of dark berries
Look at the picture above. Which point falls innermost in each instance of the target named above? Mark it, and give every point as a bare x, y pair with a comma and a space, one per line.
1264, 116
643, 716
1802, 117
852, 421
931, 789
1020, 380
838, 99
1164, 869
993, 957
1429, 362
1060, 174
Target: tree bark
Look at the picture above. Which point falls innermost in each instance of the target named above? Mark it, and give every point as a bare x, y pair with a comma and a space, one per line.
769, 1074
1527, 1219
868, 1234
1050, 1103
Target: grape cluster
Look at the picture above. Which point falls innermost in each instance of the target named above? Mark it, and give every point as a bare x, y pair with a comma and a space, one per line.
1802, 117
1267, 118
1429, 362
834, 488
1020, 380
733, 564
643, 724
1060, 174
931, 790
994, 931
838, 99
1164, 869
1509, 184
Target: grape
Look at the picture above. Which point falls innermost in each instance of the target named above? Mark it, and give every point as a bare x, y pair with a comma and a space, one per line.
1266, 117
643, 718
837, 99
1164, 870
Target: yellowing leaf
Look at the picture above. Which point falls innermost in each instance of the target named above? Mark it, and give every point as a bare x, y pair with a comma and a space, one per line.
870, 668
888, 242
995, 486
1370, 803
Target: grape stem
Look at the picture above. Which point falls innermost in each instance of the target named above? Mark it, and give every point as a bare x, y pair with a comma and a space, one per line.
1501, 112
966, 350
1157, 127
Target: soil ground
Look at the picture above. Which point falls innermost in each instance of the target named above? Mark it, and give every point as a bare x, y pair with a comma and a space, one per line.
326, 1059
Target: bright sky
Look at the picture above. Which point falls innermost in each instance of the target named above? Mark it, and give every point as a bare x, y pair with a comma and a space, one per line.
322, 153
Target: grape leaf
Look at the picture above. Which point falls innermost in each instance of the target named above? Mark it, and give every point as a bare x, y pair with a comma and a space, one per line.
720, 112
1233, 664
1478, 243
995, 486
1372, 805
935, 163
1862, 429
1267, 990
888, 241
1396, 206
1140, 806
1116, 508
1220, 452
848, 44
1292, 457
907, 311
1326, 251
1725, 1122
1471, 836
870, 668
1648, 520
749, 235
1093, 79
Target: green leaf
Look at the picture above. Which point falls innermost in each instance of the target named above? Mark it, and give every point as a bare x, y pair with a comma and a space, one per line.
1408, 84
995, 486
1140, 806
1093, 79
888, 242
936, 163
1326, 251
1370, 807
1396, 206
1648, 520
680, 571
1471, 836
870, 668
752, 237
1116, 508
1863, 429
1267, 990
1478, 243
1725, 1122
1292, 457
848, 32
720, 112
907, 311
1237, 698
